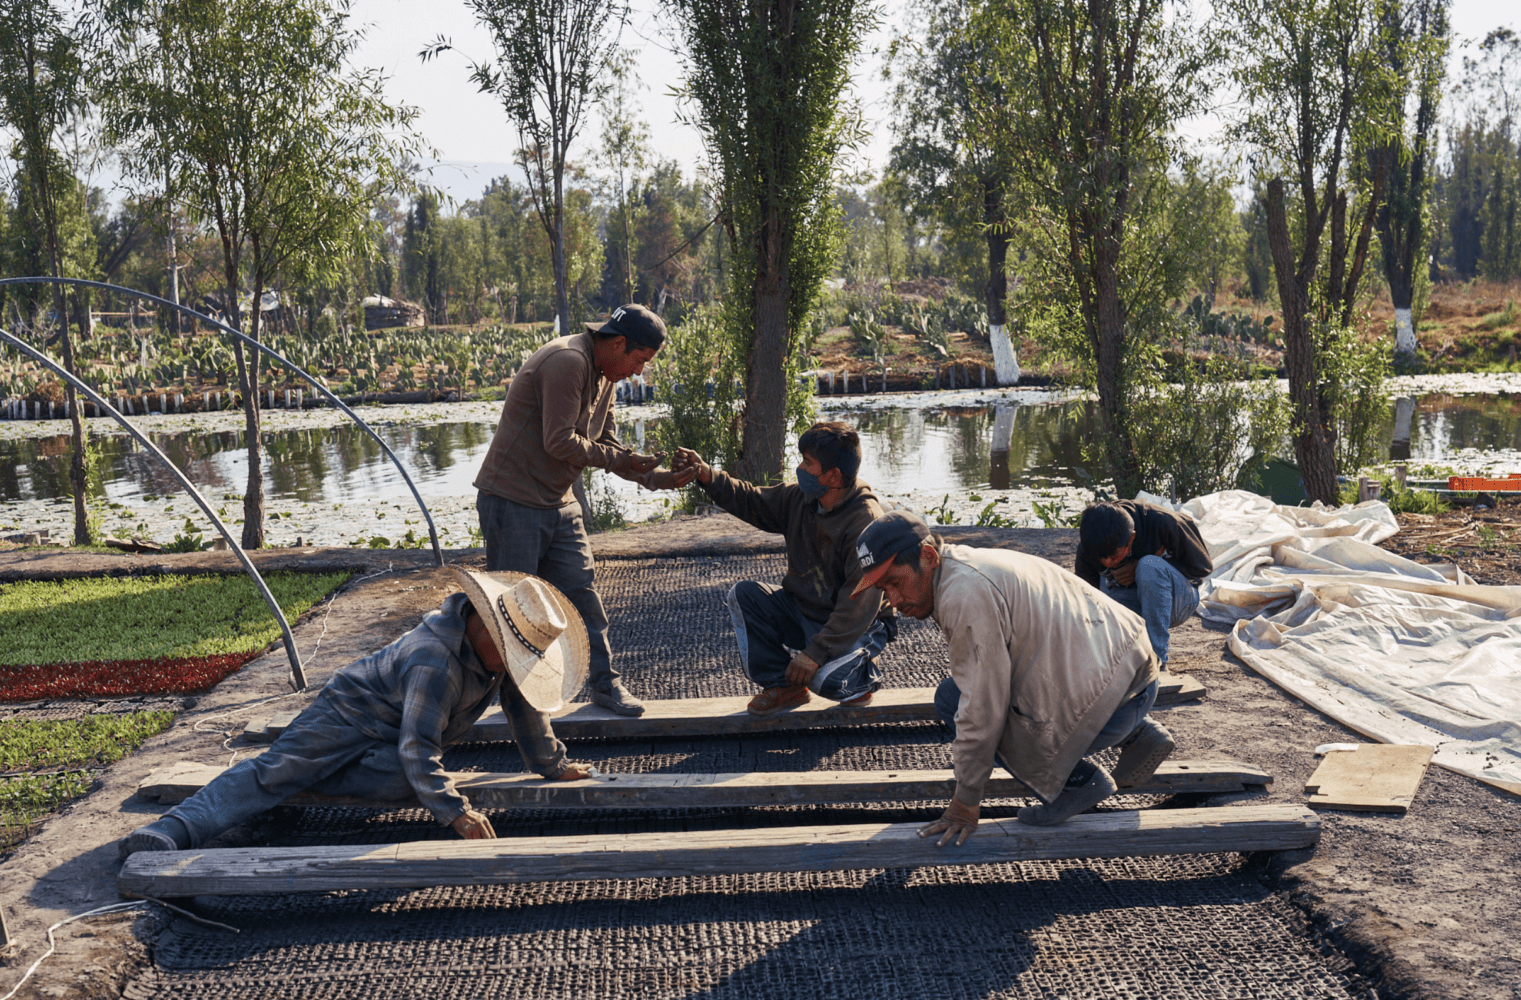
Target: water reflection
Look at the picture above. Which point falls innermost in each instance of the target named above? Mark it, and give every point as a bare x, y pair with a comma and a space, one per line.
999, 446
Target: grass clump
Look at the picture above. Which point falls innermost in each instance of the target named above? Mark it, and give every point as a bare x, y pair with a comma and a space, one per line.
94, 741
139, 618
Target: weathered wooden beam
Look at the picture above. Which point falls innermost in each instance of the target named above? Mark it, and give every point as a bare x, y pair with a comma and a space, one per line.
721, 716
635, 791
421, 864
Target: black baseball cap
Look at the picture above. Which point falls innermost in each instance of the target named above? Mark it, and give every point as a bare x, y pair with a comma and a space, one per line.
893, 532
636, 323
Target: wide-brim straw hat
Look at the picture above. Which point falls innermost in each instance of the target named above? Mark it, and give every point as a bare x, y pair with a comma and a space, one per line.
537, 630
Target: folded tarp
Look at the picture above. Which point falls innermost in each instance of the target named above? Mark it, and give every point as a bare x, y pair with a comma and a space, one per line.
1399, 651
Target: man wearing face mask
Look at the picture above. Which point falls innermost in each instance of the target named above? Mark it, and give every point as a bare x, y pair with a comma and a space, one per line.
808, 634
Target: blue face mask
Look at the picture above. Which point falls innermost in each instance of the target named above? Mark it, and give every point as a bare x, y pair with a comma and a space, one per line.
809, 484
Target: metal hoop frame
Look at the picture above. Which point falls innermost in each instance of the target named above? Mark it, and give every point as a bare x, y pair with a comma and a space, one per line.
313, 382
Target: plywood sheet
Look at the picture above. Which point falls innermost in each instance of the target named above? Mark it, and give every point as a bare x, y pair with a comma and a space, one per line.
1376, 777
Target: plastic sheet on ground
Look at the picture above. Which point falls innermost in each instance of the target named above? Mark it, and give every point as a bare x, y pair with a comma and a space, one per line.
1399, 651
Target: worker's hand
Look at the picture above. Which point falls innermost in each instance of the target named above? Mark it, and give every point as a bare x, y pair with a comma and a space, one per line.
1124, 574
646, 463
686, 458
673, 480
801, 669
957, 823
575, 772
473, 825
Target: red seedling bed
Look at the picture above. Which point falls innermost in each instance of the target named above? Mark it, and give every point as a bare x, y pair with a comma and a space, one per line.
118, 678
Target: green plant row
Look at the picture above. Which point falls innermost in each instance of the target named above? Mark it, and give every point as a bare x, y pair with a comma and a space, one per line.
94, 741
25, 800
139, 618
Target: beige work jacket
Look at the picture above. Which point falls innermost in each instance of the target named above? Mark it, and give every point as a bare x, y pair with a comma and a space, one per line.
1042, 660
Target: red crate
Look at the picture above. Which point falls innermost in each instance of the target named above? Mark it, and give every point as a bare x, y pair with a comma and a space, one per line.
1472, 484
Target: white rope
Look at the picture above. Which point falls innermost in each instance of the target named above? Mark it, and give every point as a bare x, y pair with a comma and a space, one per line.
230, 735
53, 945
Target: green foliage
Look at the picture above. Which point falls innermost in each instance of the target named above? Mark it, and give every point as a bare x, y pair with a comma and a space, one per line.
606, 509
94, 741
943, 513
138, 618
765, 83
25, 800
188, 540
699, 372
1200, 431
1352, 383
1400, 501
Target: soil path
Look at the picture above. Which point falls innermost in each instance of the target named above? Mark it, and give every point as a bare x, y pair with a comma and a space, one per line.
1425, 903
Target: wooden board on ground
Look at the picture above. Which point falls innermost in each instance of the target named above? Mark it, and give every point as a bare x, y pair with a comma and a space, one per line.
422, 864
721, 716
634, 791
1376, 777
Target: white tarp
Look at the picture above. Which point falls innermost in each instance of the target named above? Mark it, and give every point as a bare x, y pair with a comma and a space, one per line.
1399, 651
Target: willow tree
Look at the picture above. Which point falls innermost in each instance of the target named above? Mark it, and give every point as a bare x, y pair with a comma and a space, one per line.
269, 139
1082, 98
1314, 87
766, 79
946, 161
41, 91
550, 58
1414, 37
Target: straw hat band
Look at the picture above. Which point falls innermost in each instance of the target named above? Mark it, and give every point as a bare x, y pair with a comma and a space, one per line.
501, 602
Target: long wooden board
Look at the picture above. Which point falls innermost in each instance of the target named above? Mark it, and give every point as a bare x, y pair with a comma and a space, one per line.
1376, 777
634, 791
721, 716
421, 864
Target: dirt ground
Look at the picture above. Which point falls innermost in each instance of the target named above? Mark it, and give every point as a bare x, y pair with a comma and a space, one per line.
1426, 904
1485, 543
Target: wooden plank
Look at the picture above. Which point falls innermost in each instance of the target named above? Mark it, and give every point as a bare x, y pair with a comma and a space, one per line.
422, 864
721, 716
178, 782
1376, 777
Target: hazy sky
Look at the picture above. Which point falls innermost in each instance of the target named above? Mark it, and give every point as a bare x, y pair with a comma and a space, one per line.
475, 144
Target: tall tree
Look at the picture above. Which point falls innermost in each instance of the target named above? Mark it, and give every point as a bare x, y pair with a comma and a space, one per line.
946, 162
272, 141
1313, 82
767, 79
41, 91
550, 55
1086, 96
1413, 36
625, 152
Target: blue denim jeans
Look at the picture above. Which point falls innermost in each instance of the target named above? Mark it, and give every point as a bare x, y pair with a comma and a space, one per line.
770, 627
1125, 720
551, 545
1162, 596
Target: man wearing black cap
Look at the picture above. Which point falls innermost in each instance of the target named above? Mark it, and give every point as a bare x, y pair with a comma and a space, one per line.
1045, 671
556, 421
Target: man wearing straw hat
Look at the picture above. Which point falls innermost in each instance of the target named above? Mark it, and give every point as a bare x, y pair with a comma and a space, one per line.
556, 421
379, 727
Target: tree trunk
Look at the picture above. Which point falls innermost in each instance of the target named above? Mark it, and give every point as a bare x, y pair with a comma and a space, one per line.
248, 381
1005, 359
1109, 355
1314, 440
765, 425
562, 278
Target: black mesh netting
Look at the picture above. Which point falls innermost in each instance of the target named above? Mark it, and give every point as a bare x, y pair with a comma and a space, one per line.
1179, 927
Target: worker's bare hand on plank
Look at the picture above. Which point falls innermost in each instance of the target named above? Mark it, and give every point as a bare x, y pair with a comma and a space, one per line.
956, 823
473, 825
801, 669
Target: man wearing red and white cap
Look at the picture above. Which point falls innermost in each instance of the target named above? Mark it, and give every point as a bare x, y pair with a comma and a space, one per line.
1045, 670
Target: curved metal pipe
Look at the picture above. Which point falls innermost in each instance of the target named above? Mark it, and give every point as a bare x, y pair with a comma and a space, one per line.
316, 384
298, 676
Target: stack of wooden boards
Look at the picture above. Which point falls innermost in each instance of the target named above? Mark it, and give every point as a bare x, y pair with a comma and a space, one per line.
816, 848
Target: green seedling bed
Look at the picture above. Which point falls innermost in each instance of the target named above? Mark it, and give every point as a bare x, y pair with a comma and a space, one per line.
139, 636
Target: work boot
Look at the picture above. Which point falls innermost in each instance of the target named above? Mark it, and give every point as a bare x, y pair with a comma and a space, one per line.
1141, 753
1073, 800
778, 699
167, 834
617, 700
858, 701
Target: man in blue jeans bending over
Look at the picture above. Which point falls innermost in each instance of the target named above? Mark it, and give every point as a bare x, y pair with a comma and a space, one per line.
1148, 558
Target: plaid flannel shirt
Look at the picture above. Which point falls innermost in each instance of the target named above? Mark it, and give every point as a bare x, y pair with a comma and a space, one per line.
421, 693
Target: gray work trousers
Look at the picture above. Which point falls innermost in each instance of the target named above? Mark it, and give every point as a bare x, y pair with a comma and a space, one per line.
553, 546
322, 753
